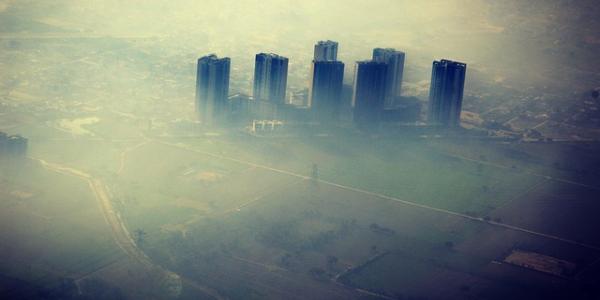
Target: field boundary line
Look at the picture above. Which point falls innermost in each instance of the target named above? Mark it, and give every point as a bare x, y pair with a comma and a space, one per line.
120, 234
390, 198
524, 170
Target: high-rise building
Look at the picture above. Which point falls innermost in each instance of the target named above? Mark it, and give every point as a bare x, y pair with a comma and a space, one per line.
446, 92
325, 91
326, 82
326, 51
395, 72
270, 78
212, 88
369, 93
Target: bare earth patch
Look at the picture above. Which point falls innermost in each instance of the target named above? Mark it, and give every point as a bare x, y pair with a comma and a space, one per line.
208, 176
22, 195
541, 263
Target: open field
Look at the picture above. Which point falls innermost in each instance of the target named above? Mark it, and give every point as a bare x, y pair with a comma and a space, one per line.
563, 162
409, 170
204, 215
55, 230
561, 203
59, 244
240, 215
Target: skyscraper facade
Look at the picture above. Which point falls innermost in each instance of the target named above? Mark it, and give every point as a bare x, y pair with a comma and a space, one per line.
270, 78
395, 72
326, 51
212, 88
369, 93
325, 92
446, 93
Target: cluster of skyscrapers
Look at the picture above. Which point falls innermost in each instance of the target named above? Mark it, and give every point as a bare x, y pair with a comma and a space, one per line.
376, 89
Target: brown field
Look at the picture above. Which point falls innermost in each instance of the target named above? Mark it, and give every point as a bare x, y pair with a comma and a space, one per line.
542, 263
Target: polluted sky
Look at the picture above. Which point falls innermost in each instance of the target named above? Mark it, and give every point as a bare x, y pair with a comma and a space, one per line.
538, 42
104, 91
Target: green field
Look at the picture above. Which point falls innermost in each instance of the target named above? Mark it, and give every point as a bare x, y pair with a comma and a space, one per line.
238, 214
55, 228
410, 170
206, 207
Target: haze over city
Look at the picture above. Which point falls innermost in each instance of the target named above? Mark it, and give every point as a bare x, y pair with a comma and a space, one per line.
299, 149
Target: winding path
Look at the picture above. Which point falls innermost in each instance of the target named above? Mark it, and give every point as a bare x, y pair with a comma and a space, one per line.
124, 240
120, 233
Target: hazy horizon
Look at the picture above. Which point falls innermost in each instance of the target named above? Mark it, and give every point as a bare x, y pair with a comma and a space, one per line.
126, 173
493, 38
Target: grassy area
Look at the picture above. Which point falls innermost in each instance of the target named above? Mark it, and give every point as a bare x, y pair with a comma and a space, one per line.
409, 170
183, 185
203, 215
53, 224
98, 157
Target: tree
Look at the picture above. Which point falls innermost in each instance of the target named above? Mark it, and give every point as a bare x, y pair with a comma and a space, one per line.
139, 236
373, 249
286, 260
318, 273
331, 261
449, 244
315, 172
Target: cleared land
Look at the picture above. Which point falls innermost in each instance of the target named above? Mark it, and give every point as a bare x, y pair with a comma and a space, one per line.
299, 234
55, 229
542, 263
240, 216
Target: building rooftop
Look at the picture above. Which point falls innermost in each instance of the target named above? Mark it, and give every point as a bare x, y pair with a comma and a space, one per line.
450, 62
370, 62
271, 55
212, 57
390, 50
327, 42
